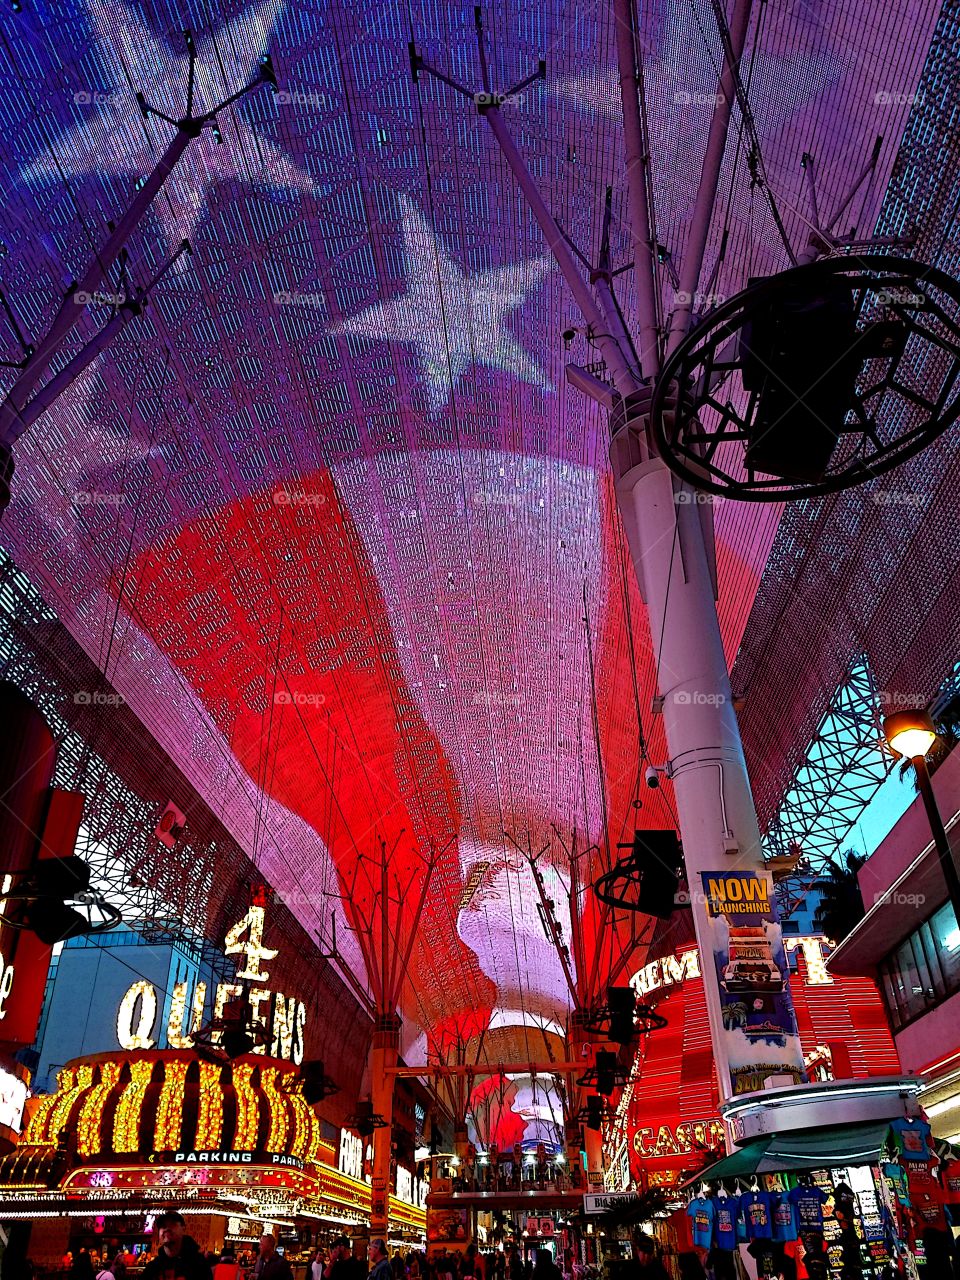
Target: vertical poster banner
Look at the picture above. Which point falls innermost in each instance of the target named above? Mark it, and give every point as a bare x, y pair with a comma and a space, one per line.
759, 1024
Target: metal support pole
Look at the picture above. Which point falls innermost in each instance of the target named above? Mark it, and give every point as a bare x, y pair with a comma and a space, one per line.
73, 305
696, 245
580, 1038
641, 220
52, 390
383, 1057
616, 358
947, 864
71, 310
669, 553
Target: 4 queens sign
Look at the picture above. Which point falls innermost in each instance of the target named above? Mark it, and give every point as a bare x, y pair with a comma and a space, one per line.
760, 1030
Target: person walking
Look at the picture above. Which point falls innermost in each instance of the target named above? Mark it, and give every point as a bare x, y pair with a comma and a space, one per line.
82, 1267
545, 1268
178, 1253
379, 1260
270, 1265
342, 1264
647, 1260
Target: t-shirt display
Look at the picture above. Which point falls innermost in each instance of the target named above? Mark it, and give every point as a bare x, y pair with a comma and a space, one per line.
926, 1198
700, 1211
784, 1218
764, 1252
755, 1211
808, 1202
912, 1138
726, 1211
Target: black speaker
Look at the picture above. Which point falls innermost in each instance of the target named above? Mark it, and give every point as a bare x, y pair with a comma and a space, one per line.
799, 354
621, 1001
594, 1111
658, 855
606, 1072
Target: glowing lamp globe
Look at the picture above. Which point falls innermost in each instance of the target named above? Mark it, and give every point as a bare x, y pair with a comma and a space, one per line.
910, 733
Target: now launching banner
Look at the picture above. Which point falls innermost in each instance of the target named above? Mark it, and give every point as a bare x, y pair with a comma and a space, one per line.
760, 1029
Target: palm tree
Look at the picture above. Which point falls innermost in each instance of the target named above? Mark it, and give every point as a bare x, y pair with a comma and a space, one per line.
841, 903
735, 1015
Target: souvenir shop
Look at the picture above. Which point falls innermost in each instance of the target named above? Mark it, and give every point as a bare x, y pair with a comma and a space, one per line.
857, 1202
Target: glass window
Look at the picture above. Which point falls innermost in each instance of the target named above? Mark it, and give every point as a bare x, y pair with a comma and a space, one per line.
946, 935
891, 995
924, 975
924, 969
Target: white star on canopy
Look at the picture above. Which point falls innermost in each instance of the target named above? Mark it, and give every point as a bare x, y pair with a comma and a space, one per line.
452, 319
111, 141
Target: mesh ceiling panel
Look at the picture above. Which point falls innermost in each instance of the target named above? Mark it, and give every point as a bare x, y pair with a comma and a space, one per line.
875, 570
193, 892
327, 515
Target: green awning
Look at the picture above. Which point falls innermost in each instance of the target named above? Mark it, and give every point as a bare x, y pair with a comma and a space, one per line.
827, 1148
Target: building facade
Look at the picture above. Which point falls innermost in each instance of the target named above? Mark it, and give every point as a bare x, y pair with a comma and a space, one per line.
909, 939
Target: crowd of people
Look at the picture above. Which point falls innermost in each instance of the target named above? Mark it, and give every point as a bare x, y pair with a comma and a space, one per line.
179, 1257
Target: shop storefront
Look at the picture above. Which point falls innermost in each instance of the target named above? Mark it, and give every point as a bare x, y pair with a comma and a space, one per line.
864, 1200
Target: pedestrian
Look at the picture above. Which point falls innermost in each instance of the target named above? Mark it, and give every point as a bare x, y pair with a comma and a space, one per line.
691, 1268
545, 1267
342, 1264
178, 1253
82, 1267
270, 1265
379, 1260
652, 1267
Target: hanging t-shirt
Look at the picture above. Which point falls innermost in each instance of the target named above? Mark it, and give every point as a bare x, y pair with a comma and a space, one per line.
912, 1138
700, 1212
926, 1198
951, 1181
765, 1254
784, 1218
726, 1210
755, 1209
808, 1202
742, 1234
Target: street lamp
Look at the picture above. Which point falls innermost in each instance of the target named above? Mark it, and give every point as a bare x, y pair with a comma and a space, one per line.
912, 734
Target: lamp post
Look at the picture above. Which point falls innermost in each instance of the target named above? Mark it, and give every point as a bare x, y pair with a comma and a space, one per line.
912, 734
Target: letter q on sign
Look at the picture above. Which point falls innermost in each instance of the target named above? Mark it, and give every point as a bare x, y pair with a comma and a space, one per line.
136, 1016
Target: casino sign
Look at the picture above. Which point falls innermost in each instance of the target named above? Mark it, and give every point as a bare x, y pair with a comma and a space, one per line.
134, 1126
281, 1018
131, 1132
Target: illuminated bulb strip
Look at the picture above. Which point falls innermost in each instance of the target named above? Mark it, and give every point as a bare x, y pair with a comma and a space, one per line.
314, 1132
67, 1098
279, 1120
89, 1138
36, 1130
126, 1120
248, 1109
300, 1144
210, 1115
170, 1107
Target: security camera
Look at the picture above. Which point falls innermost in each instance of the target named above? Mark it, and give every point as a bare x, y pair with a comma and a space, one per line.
651, 777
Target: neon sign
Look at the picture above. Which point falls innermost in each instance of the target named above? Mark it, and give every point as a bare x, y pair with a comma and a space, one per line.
676, 969
666, 1140
283, 1018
